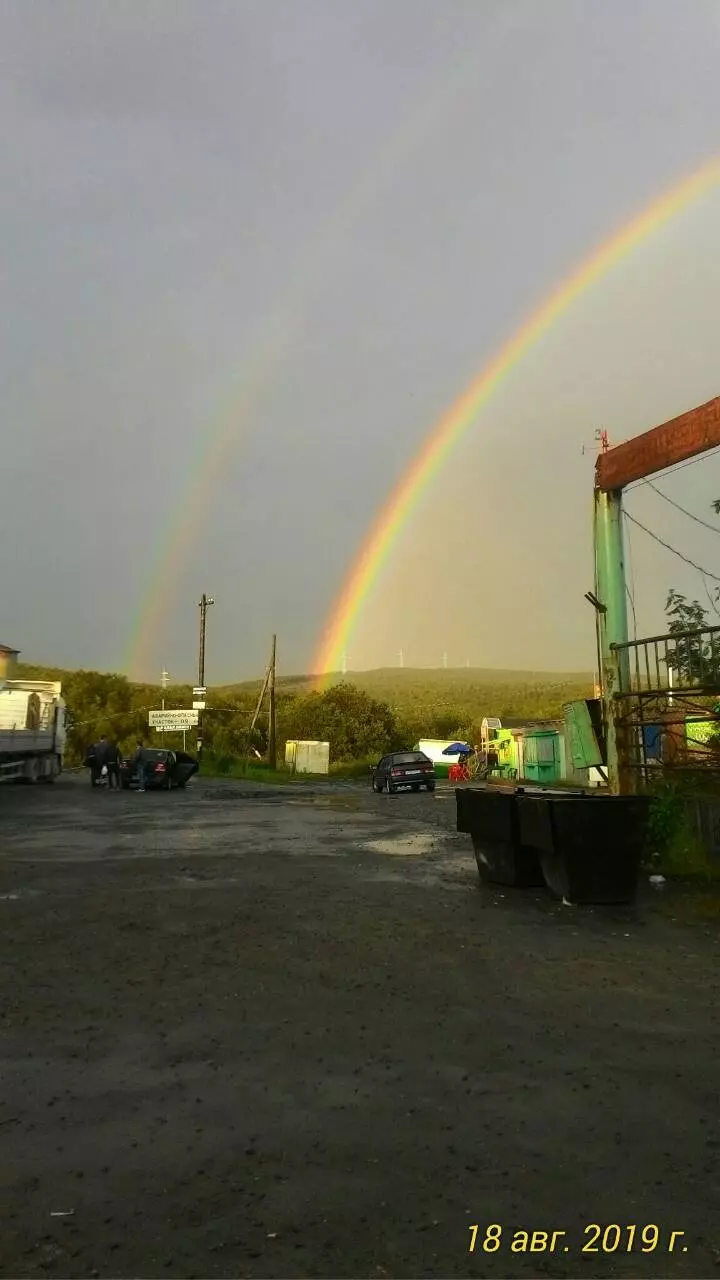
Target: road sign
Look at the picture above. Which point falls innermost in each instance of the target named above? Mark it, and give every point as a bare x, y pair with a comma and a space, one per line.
199, 692
172, 720
198, 706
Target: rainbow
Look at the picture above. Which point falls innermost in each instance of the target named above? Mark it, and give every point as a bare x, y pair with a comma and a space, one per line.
271, 342
399, 506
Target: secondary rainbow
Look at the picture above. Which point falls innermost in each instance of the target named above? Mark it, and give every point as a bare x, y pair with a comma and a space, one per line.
270, 345
377, 545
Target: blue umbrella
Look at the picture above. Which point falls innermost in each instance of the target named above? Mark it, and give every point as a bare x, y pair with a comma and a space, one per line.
457, 749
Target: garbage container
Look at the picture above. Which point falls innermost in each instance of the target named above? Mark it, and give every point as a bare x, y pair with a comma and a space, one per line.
490, 817
589, 846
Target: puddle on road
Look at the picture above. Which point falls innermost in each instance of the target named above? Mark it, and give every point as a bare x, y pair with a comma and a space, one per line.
206, 882
411, 846
336, 801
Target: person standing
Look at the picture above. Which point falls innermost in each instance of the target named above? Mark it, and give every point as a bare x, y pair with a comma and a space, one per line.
112, 760
139, 763
100, 749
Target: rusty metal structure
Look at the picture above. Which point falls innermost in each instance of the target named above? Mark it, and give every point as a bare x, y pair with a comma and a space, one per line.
674, 684
662, 680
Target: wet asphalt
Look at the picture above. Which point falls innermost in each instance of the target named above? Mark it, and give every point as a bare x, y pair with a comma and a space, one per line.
269, 1032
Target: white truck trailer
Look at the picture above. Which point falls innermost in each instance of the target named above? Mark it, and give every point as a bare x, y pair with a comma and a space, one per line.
32, 730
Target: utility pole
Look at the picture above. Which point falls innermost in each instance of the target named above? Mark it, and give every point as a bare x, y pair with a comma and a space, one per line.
272, 745
445, 661
205, 602
612, 623
164, 681
343, 666
402, 658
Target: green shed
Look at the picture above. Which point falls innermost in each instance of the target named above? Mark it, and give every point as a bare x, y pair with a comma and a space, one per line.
543, 756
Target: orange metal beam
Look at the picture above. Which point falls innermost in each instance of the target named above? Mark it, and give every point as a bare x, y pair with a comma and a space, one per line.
675, 441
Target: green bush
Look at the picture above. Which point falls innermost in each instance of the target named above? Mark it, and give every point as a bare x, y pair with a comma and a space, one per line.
672, 847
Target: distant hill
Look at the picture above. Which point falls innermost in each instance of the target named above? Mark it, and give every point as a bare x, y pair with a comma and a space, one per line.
426, 702
397, 677
461, 694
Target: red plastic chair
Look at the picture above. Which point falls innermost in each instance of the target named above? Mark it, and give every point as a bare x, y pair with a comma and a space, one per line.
458, 773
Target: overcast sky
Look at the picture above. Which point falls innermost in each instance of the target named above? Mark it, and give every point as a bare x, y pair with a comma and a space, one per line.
252, 250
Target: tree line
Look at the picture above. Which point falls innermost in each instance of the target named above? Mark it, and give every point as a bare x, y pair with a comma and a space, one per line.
358, 725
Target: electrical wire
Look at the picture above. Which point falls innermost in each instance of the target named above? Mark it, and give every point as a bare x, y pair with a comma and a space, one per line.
690, 514
679, 466
674, 550
631, 588
713, 602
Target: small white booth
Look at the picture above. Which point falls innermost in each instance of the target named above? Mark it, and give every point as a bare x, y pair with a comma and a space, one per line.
307, 757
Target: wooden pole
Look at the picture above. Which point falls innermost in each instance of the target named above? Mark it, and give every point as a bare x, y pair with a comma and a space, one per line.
272, 745
261, 699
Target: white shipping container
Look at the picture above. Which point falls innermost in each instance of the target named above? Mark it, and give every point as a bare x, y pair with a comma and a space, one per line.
19, 709
307, 757
434, 747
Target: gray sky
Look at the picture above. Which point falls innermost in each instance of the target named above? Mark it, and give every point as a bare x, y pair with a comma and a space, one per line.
285, 235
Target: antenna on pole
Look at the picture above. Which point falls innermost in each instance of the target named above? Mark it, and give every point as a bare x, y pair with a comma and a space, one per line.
601, 440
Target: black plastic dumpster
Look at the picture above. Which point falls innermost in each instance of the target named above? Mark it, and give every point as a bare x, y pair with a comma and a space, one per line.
491, 818
589, 846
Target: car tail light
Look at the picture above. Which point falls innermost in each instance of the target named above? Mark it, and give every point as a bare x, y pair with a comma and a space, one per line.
159, 768
396, 771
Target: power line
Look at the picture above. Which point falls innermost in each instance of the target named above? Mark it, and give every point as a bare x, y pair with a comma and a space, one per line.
679, 466
631, 588
690, 514
674, 550
713, 603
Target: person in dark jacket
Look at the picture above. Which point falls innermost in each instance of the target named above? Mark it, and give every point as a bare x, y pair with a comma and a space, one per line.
139, 763
92, 764
101, 753
112, 760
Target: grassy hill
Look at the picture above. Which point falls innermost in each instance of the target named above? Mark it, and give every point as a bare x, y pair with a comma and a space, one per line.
429, 701
373, 711
462, 694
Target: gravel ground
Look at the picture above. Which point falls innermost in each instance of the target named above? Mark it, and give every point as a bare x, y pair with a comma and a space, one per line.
283, 1032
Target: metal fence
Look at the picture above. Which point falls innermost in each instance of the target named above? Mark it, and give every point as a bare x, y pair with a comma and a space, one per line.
667, 684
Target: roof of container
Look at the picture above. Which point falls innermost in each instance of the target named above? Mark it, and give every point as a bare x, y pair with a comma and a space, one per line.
6, 648
547, 725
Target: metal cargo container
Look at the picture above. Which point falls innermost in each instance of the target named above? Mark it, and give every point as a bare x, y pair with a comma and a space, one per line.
19, 709
542, 756
307, 757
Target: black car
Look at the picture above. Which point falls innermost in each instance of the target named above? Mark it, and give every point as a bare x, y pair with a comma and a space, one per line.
409, 770
164, 770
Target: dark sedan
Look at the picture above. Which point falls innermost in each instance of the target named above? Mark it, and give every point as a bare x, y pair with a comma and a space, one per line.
406, 770
164, 770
